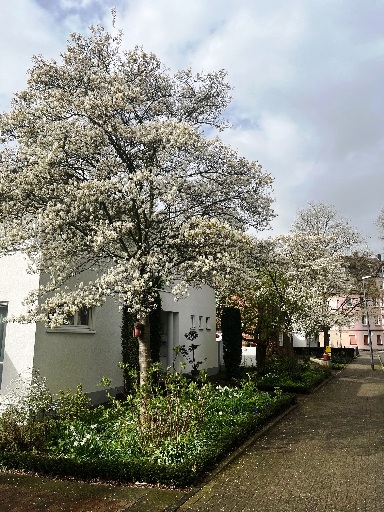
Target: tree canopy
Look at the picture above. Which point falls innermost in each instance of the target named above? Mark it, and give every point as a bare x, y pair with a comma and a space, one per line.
323, 220
106, 166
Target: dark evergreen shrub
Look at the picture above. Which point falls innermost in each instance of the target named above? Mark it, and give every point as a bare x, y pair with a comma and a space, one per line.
129, 350
232, 338
155, 322
130, 345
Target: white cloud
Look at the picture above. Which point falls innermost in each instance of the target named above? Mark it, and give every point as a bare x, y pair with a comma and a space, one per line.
25, 30
307, 78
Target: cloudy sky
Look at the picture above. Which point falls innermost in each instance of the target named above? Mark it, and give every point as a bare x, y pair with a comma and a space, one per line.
308, 97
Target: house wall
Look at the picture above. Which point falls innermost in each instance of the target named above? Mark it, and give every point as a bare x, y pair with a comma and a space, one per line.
67, 358
357, 336
299, 340
197, 311
18, 350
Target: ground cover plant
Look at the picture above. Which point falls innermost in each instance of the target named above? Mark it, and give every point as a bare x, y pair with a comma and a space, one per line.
170, 431
293, 376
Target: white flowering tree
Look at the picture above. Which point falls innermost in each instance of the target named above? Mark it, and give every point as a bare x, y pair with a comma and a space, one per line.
288, 285
328, 242
289, 282
323, 220
105, 167
313, 278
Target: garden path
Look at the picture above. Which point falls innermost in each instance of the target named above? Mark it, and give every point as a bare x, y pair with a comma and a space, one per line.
325, 455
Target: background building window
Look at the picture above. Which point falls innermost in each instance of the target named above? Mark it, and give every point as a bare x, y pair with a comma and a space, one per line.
379, 341
208, 323
366, 339
352, 339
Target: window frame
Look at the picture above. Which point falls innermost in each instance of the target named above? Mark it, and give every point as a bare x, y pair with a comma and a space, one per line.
3, 333
75, 327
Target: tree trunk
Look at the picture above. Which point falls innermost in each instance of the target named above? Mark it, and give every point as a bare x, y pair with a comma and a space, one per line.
261, 354
326, 336
144, 350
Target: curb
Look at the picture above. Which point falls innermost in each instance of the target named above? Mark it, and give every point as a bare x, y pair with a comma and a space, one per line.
380, 355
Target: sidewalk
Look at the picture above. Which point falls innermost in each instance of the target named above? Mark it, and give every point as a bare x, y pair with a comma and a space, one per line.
325, 455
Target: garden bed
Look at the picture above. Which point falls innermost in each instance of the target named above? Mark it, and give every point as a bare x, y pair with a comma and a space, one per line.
178, 434
291, 377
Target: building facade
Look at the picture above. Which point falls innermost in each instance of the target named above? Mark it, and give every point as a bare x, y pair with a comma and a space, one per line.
90, 346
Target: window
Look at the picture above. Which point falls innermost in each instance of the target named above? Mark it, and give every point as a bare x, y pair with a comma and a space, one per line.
377, 320
379, 341
352, 339
208, 323
364, 320
81, 318
366, 339
193, 324
81, 321
3, 314
201, 323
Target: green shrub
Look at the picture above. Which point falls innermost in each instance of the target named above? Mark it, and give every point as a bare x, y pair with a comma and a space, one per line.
232, 341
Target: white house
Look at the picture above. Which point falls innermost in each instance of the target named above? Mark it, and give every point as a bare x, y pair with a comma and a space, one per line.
90, 348
300, 340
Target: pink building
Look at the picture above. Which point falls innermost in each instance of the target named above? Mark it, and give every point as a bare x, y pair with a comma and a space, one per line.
357, 334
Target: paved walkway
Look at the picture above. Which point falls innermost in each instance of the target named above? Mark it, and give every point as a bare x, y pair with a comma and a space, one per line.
326, 455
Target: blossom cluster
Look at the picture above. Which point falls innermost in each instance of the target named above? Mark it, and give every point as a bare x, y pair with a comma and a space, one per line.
110, 186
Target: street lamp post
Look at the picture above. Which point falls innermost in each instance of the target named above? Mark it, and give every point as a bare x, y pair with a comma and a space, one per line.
368, 325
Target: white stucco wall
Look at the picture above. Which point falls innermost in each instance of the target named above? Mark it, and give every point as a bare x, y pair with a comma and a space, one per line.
15, 284
299, 340
200, 304
67, 359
